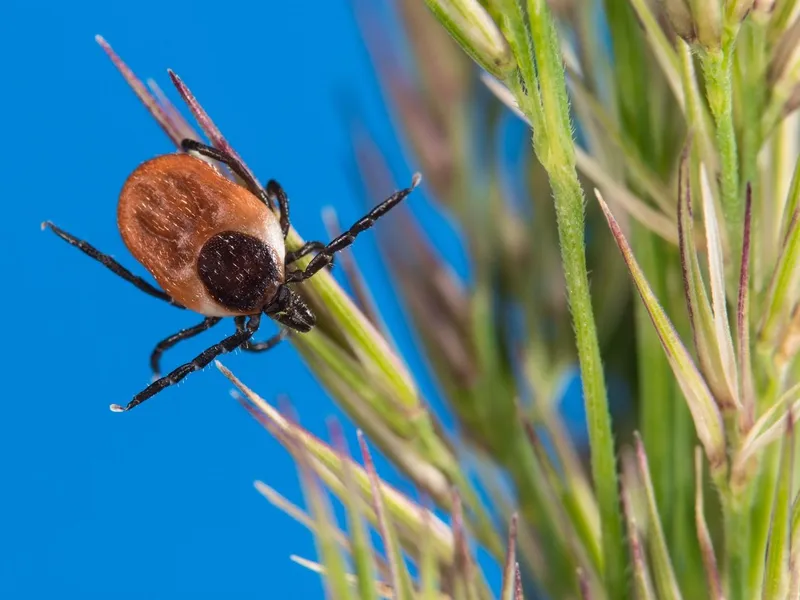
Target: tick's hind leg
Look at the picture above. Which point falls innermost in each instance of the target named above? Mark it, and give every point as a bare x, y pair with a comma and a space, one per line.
304, 250
111, 264
274, 190
234, 164
268, 344
272, 194
203, 359
325, 256
183, 334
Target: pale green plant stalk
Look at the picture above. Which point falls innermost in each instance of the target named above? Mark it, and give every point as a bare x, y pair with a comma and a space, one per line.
676, 139
545, 104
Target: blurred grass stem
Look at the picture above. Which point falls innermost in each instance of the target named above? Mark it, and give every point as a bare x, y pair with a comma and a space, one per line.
546, 106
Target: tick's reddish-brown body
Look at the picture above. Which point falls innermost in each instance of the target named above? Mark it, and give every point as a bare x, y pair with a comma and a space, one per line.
169, 209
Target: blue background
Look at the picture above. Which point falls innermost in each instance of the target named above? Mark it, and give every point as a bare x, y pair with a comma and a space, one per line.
159, 503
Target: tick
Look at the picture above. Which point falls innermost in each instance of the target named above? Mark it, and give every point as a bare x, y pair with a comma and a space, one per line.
218, 249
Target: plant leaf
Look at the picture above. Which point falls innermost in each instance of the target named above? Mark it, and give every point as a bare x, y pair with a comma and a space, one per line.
776, 575
582, 537
641, 573
701, 315
766, 430
327, 463
792, 202
706, 415
663, 50
428, 567
297, 513
666, 581
782, 290
361, 549
325, 538
381, 589
401, 579
794, 557
716, 270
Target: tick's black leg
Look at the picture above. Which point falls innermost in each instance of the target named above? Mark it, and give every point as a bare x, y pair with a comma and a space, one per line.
270, 196
304, 250
205, 357
184, 334
111, 264
251, 346
235, 165
275, 191
268, 344
325, 256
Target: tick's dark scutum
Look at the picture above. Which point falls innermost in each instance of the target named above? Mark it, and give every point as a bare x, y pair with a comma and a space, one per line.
238, 270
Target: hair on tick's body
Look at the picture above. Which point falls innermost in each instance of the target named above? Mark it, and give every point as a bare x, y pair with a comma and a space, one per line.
218, 249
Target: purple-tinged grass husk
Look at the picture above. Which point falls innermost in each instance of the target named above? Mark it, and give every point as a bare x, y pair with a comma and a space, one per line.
746, 383
317, 497
205, 122
327, 464
706, 415
519, 593
704, 536
464, 567
401, 580
583, 582
181, 125
507, 587
704, 322
715, 239
664, 573
642, 579
148, 99
361, 548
